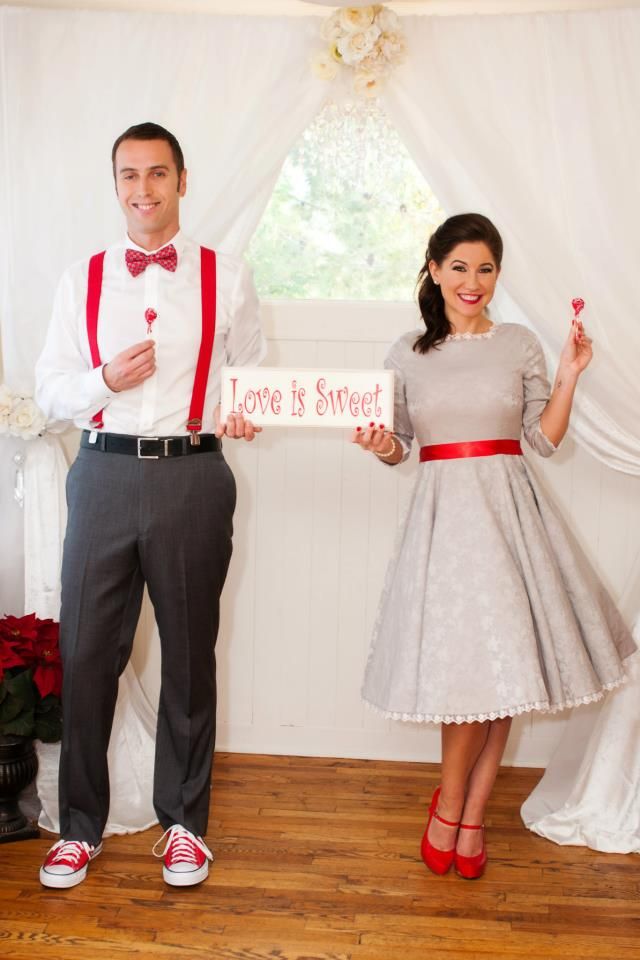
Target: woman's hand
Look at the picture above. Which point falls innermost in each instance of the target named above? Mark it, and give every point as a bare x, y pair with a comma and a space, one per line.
577, 352
235, 427
379, 441
575, 357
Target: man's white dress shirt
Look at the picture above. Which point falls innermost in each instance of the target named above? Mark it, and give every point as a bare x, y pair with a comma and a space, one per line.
69, 388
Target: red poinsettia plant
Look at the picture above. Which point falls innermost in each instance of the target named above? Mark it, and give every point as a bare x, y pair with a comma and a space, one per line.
30, 678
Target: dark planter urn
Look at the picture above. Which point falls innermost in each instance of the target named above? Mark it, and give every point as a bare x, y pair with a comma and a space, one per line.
18, 767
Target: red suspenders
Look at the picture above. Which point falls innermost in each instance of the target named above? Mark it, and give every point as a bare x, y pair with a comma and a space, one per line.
208, 283
208, 286
94, 288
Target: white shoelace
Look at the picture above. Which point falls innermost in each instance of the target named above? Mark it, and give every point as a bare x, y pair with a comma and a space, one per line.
69, 850
184, 843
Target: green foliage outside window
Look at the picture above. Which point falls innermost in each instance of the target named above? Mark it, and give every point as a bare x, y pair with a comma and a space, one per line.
350, 216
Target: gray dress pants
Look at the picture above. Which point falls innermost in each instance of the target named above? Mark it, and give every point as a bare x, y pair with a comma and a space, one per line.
166, 523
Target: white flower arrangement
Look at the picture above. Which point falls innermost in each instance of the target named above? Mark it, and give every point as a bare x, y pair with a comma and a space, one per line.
20, 416
369, 40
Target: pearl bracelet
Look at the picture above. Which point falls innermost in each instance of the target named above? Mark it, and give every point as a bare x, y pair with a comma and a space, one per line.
387, 456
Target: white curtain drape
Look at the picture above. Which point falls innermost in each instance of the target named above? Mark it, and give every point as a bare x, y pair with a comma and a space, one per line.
12, 456
589, 793
237, 92
533, 120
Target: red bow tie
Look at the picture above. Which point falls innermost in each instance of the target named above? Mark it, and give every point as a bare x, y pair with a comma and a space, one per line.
137, 262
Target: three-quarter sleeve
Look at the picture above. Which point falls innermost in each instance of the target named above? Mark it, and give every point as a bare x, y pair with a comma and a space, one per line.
402, 426
245, 344
67, 386
536, 393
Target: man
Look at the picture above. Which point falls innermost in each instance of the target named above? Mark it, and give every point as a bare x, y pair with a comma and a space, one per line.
133, 356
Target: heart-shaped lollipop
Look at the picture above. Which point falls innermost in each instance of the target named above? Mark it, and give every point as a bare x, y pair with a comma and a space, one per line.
578, 306
150, 315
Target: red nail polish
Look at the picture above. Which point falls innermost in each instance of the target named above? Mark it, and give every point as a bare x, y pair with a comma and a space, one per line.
382, 426
372, 424
358, 429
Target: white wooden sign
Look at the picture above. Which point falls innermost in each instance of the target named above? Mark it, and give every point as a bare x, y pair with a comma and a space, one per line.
276, 396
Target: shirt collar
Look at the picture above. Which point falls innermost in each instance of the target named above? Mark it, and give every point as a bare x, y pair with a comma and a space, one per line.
178, 241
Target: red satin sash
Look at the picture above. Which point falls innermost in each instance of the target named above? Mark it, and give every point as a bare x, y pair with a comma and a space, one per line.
472, 448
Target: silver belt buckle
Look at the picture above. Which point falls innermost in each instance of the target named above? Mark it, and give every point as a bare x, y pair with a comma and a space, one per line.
149, 456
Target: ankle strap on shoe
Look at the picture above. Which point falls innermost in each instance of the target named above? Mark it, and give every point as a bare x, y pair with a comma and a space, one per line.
472, 826
447, 823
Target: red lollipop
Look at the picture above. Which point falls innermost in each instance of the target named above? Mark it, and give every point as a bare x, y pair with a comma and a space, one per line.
150, 315
578, 306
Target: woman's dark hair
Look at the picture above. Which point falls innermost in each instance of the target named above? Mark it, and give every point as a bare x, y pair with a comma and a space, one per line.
150, 131
463, 228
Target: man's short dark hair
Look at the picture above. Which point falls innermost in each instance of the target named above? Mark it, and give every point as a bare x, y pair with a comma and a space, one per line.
150, 131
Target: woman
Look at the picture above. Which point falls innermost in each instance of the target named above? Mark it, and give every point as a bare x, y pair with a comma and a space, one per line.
490, 608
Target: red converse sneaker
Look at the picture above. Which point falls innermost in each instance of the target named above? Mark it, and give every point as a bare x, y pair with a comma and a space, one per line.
66, 863
186, 857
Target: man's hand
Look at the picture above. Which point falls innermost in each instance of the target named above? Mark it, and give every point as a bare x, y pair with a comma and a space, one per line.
131, 367
235, 427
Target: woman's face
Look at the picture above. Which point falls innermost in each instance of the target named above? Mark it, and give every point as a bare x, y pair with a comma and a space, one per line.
467, 278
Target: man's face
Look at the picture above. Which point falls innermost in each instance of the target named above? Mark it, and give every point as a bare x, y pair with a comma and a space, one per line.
149, 190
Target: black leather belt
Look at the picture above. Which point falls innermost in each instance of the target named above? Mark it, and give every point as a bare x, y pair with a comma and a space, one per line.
149, 448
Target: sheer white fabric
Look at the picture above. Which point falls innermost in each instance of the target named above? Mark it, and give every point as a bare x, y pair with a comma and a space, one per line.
500, 113
237, 92
589, 793
12, 514
503, 116
45, 518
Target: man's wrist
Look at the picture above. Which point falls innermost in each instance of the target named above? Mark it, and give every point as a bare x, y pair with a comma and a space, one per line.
104, 377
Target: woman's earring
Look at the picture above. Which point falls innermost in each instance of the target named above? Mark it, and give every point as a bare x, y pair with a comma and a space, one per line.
437, 283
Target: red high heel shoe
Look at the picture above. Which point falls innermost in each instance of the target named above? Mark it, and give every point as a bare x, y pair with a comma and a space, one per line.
471, 868
438, 861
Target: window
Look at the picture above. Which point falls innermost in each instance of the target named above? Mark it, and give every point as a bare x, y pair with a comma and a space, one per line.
350, 215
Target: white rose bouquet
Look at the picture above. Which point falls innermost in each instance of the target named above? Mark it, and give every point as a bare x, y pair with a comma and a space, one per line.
19, 416
368, 40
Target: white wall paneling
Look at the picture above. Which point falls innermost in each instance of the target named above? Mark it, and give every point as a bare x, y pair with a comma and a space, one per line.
314, 529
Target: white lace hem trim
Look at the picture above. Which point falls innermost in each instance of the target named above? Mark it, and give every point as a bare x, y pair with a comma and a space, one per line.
473, 336
542, 706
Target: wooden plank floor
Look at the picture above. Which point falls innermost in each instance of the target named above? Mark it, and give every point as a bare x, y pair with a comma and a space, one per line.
318, 859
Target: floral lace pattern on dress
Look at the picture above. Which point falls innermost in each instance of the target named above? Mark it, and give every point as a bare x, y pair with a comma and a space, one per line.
541, 706
487, 335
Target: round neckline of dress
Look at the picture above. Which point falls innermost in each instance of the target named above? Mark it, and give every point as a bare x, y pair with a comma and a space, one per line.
486, 335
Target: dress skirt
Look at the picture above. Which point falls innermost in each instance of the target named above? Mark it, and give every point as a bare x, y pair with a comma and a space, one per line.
490, 607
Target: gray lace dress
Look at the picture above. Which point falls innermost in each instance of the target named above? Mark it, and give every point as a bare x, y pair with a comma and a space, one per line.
490, 607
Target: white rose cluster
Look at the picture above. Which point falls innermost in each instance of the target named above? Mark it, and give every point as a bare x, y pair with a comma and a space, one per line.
368, 40
19, 416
